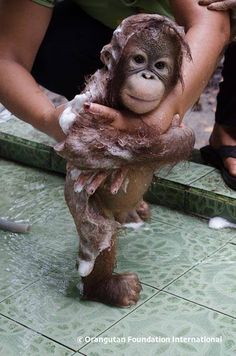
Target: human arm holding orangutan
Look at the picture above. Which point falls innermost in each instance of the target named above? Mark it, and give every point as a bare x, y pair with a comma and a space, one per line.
24, 25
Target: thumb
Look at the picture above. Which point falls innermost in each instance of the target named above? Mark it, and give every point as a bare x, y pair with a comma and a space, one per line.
222, 6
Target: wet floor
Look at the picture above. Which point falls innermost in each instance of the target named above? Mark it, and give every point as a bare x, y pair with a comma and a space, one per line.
187, 271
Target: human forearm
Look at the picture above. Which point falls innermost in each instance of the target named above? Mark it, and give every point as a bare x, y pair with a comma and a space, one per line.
200, 26
23, 26
196, 73
23, 97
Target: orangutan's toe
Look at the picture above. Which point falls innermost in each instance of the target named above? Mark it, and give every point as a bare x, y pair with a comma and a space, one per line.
143, 210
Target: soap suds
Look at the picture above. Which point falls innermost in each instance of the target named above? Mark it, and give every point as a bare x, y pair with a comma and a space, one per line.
134, 226
220, 223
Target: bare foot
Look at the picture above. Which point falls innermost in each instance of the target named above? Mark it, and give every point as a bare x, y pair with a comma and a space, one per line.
140, 214
221, 136
121, 290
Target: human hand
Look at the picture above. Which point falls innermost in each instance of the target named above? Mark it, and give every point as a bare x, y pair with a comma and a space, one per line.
160, 119
90, 181
121, 120
219, 5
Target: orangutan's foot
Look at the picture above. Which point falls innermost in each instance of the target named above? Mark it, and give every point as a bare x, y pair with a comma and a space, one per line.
143, 210
121, 290
138, 216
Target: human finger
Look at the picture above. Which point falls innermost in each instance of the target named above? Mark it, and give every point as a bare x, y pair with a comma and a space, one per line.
102, 111
208, 2
83, 179
96, 182
223, 5
176, 122
118, 178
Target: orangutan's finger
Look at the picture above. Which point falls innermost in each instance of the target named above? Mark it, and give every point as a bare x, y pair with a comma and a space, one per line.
102, 111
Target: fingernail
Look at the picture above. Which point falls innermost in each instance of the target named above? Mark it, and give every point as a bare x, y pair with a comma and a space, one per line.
86, 106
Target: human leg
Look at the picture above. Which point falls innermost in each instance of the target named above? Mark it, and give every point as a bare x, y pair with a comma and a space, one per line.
224, 131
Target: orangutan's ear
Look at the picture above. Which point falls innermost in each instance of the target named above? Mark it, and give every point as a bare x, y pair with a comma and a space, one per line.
106, 55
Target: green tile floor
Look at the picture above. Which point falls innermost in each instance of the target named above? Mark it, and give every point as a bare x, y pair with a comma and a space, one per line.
187, 270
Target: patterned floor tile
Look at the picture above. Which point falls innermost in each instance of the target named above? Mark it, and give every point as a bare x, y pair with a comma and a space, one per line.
17, 340
159, 252
212, 283
189, 223
38, 197
162, 322
213, 182
22, 264
52, 307
184, 172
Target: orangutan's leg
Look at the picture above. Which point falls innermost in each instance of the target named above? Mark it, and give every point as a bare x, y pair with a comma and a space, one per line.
103, 286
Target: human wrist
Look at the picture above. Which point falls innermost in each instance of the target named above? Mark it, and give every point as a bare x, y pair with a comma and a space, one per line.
50, 123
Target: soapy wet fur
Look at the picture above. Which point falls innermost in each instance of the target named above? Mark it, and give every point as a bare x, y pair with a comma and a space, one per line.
109, 170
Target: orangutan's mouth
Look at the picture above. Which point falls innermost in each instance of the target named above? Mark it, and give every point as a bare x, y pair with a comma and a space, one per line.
141, 99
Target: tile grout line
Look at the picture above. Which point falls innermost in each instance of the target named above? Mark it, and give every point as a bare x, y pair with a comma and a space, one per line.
201, 305
194, 266
204, 175
37, 332
132, 311
188, 270
20, 290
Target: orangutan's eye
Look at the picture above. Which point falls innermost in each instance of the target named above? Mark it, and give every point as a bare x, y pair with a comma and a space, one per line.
139, 59
160, 65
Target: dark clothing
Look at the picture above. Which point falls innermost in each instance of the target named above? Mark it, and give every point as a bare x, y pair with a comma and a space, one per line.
70, 50
226, 99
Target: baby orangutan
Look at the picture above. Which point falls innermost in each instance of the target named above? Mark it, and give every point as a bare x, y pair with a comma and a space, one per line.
109, 170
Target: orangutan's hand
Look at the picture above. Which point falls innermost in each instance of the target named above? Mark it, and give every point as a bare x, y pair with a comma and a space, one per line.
220, 5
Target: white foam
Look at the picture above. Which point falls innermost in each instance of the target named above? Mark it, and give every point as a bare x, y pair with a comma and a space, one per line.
80, 287
119, 152
67, 119
78, 102
85, 267
78, 188
104, 244
220, 223
75, 173
134, 226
